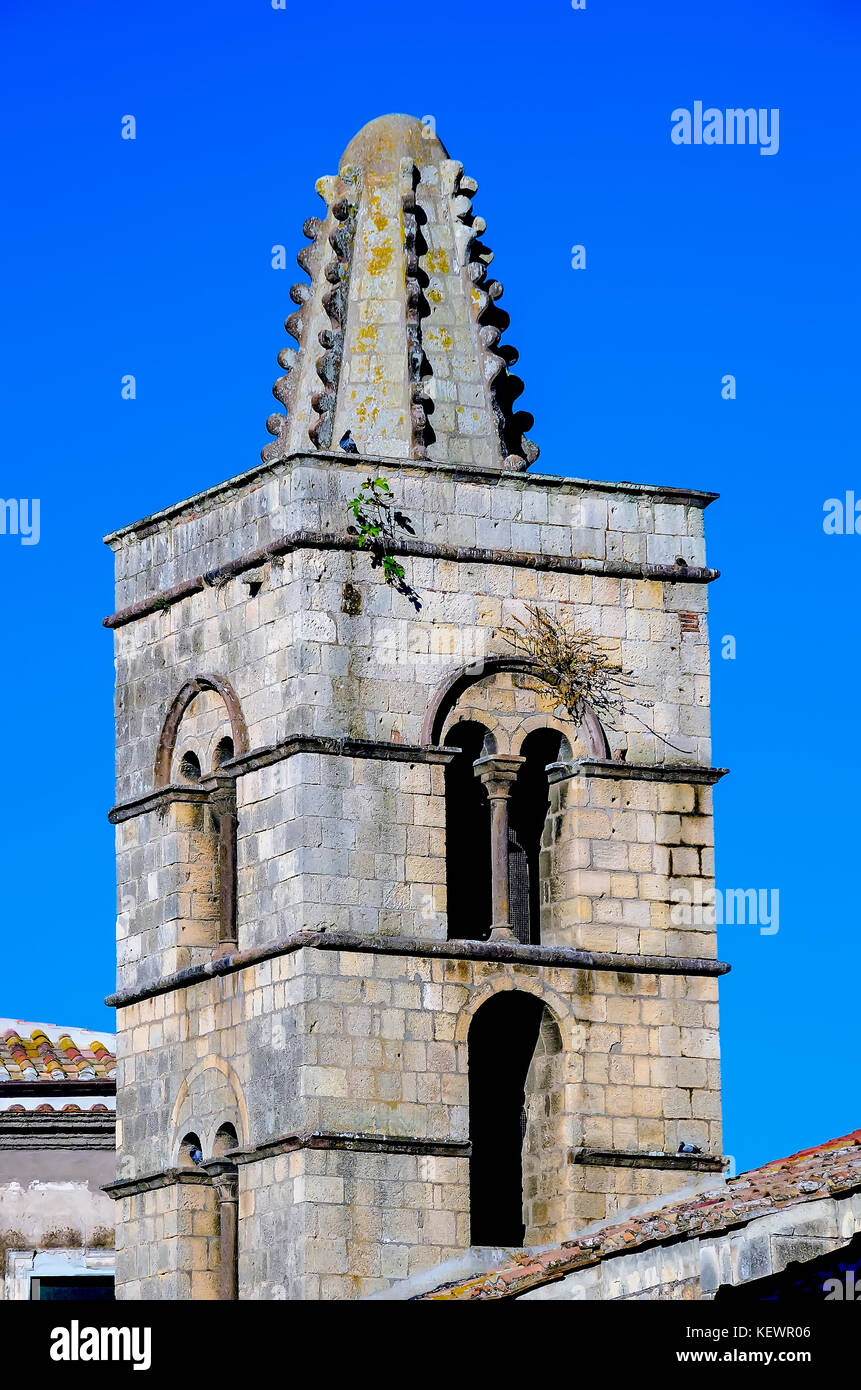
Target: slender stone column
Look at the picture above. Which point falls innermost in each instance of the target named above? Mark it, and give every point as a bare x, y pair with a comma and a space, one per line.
497, 773
223, 803
225, 1180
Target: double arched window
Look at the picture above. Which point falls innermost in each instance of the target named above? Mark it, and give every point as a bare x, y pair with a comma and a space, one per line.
507, 729
203, 731
476, 777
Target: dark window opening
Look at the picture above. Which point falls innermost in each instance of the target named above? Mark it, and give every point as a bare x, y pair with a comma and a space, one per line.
225, 1140
190, 1152
502, 1042
467, 829
530, 800
189, 767
223, 753
80, 1288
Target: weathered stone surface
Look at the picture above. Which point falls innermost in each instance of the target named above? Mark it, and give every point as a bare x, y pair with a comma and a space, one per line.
241, 636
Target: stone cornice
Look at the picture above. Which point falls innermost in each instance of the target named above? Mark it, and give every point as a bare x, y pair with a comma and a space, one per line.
502, 952
339, 748
494, 476
461, 554
274, 753
352, 1143
629, 1158
149, 1182
58, 1129
158, 801
206, 1174
686, 773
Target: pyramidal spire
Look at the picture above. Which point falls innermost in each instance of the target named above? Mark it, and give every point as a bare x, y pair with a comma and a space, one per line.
398, 327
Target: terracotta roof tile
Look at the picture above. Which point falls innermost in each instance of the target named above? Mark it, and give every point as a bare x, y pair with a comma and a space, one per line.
826, 1170
42, 1052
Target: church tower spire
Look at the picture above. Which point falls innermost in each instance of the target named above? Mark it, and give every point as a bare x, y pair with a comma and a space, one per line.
399, 329
409, 960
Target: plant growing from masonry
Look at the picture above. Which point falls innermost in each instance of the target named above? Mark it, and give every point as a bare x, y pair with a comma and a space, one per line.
574, 663
571, 661
377, 521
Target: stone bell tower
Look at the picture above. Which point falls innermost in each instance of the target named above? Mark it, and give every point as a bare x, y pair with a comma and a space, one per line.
401, 962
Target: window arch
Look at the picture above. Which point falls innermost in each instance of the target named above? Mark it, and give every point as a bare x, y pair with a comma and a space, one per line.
516, 1088
203, 730
176, 714
223, 753
225, 1140
190, 1152
189, 766
458, 684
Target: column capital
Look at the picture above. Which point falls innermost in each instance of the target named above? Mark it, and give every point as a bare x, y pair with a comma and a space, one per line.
225, 1178
498, 771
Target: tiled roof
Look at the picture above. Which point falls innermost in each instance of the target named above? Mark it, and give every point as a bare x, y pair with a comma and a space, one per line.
828, 1170
46, 1053
54, 1109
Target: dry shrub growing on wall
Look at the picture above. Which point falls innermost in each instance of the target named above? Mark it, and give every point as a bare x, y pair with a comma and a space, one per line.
572, 661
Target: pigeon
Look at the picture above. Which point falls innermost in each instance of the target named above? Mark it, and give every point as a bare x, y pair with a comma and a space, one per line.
348, 443
196, 1155
689, 1149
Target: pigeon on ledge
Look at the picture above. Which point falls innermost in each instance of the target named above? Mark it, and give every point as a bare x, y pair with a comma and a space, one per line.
348, 443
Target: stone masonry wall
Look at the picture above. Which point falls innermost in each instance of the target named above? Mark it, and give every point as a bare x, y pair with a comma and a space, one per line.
351, 843
361, 1043
167, 1243
615, 851
334, 1225
327, 647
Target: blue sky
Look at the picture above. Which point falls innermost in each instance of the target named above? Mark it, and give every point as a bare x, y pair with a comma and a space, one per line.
152, 257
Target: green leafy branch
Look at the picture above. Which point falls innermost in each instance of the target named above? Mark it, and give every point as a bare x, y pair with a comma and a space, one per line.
377, 521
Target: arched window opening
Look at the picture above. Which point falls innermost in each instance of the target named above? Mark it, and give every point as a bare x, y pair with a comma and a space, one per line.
189, 767
203, 722
225, 1140
502, 1041
223, 753
201, 700
467, 824
528, 807
190, 1152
